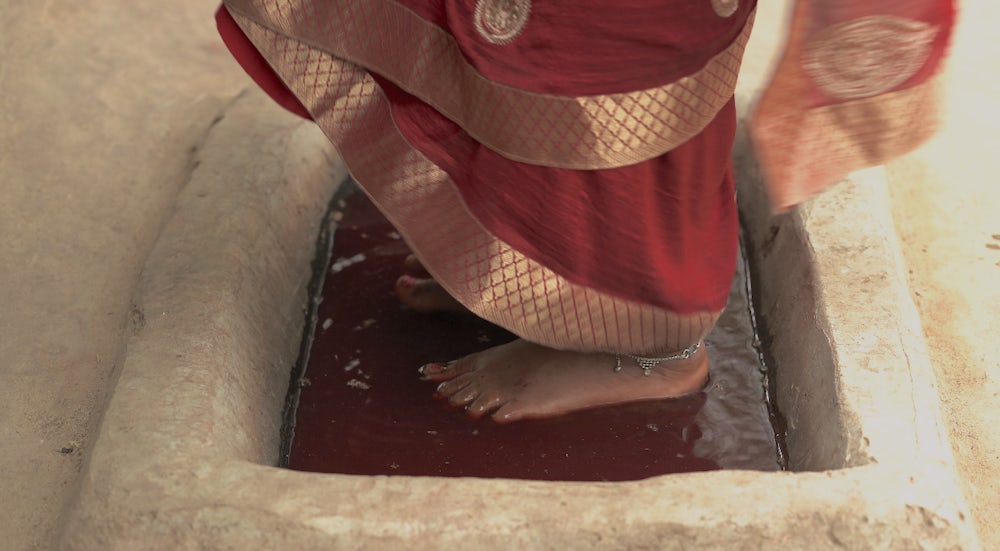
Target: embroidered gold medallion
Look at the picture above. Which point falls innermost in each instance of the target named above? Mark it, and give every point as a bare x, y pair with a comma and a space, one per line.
500, 21
725, 8
868, 56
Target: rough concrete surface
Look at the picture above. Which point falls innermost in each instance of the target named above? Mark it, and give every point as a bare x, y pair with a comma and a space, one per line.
101, 107
945, 202
947, 210
105, 109
181, 458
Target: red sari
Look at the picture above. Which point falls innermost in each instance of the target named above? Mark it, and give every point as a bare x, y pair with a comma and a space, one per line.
561, 167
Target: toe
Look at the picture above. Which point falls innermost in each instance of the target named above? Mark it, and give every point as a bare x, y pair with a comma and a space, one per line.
439, 372
405, 288
423, 295
484, 404
406, 282
465, 396
413, 266
509, 412
447, 389
408, 289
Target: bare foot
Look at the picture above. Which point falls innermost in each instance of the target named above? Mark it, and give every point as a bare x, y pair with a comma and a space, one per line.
420, 292
522, 380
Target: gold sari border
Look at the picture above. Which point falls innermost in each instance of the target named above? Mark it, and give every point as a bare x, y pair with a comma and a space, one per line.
587, 132
484, 273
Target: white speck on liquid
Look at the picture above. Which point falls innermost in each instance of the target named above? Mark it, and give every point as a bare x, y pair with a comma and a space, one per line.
341, 263
327, 323
354, 383
352, 364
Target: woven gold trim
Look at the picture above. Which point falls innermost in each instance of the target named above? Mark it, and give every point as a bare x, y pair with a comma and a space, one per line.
484, 273
590, 132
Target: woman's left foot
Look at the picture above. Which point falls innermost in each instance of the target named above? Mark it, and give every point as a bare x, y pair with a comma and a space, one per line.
416, 289
523, 380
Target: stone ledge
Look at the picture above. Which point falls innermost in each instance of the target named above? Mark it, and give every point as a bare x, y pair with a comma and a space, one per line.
182, 457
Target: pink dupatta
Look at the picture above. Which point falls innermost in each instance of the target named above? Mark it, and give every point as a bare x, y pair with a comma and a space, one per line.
855, 88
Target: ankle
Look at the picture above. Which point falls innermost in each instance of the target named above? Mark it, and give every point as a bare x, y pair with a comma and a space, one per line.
648, 365
682, 374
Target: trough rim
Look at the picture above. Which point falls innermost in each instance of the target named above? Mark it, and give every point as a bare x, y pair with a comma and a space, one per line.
152, 482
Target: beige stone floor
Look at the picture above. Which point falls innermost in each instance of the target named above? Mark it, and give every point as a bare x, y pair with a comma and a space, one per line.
102, 106
946, 201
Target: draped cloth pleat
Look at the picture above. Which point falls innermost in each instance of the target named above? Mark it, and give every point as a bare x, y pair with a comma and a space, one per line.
561, 168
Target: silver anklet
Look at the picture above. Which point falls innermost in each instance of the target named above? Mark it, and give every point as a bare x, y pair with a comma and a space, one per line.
647, 364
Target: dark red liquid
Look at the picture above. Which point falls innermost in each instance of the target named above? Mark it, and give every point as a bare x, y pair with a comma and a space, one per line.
364, 409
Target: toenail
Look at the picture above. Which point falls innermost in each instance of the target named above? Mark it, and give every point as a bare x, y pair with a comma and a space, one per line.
433, 369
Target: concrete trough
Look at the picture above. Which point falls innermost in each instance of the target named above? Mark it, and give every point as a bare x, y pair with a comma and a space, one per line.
187, 449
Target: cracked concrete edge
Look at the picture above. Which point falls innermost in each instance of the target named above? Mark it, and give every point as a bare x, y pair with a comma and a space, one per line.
861, 360
221, 296
218, 504
75, 236
876, 329
180, 460
879, 394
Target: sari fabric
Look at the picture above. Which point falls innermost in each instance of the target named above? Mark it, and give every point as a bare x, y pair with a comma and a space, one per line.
561, 168
855, 88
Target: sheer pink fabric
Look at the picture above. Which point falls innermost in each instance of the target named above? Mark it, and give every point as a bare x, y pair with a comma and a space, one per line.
854, 88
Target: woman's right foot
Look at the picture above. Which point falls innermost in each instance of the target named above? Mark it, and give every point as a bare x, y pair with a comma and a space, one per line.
416, 289
523, 380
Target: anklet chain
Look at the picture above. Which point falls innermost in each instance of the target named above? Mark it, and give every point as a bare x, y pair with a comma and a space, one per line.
647, 364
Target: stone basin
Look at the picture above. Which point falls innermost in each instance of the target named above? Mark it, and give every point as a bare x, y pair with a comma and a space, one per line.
186, 453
